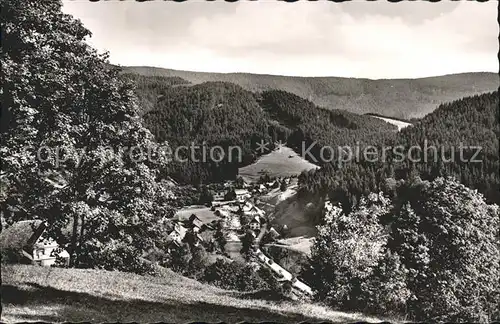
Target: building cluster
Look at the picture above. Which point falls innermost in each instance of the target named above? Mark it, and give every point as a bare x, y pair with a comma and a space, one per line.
245, 191
188, 231
230, 215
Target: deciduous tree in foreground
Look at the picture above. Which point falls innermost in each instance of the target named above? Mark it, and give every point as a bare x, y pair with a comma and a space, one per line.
73, 147
432, 253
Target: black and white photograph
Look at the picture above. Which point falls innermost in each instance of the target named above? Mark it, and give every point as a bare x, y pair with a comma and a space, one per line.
249, 161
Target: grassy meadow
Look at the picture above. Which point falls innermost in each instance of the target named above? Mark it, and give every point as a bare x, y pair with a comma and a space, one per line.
32, 293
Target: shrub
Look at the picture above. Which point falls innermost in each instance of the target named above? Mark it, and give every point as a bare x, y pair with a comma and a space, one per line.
345, 253
10, 256
436, 258
386, 291
447, 237
233, 276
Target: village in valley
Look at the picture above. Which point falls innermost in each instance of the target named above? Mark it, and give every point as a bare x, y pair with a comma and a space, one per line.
236, 223
232, 225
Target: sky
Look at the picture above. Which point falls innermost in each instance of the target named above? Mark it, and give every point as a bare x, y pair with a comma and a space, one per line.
362, 39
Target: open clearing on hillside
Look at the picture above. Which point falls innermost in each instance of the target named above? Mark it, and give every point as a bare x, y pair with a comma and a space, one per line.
33, 293
398, 123
282, 162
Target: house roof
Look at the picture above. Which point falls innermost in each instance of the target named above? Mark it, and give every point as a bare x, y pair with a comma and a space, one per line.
193, 217
273, 231
21, 234
180, 230
247, 206
256, 219
257, 209
241, 191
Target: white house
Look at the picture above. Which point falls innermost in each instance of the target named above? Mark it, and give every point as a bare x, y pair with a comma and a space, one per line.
177, 233
25, 239
219, 196
256, 211
252, 210
242, 194
46, 251
274, 233
255, 224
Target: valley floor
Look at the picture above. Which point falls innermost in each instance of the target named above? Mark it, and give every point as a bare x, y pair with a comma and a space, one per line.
32, 293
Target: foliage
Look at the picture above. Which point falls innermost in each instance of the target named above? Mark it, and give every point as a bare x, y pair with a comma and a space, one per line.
346, 251
247, 244
239, 183
400, 98
220, 237
230, 195
431, 253
60, 94
272, 283
447, 237
198, 262
150, 90
471, 122
206, 197
179, 258
234, 276
208, 115
219, 113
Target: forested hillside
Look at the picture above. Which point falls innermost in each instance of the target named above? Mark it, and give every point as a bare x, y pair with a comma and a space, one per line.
472, 121
401, 98
224, 114
212, 113
152, 88
306, 123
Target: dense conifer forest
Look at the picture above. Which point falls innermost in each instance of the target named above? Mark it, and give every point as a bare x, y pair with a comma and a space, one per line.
472, 122
221, 113
224, 114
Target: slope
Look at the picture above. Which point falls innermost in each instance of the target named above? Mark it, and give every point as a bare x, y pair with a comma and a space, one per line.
467, 131
224, 114
32, 293
282, 162
401, 98
459, 139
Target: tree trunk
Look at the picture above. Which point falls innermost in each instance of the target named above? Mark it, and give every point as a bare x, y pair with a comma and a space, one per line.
80, 241
74, 236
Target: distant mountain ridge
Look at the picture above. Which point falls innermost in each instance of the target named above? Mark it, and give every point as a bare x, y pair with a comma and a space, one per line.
398, 98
